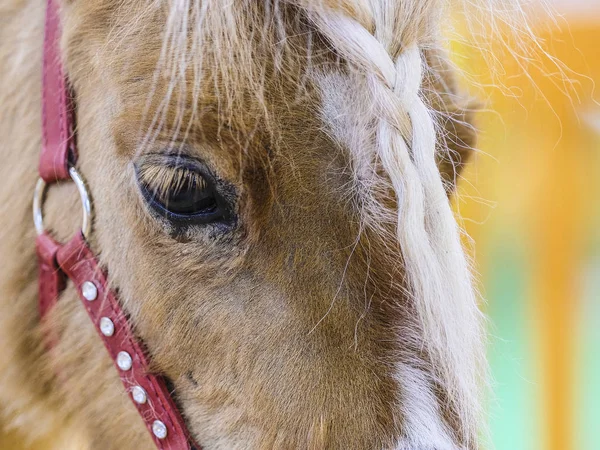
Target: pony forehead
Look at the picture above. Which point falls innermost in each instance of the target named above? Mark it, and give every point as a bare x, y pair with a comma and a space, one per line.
189, 63
217, 68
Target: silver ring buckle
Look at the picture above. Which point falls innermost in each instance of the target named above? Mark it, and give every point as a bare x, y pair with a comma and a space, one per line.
39, 196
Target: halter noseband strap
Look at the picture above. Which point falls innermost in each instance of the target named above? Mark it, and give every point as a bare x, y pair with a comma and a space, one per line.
75, 260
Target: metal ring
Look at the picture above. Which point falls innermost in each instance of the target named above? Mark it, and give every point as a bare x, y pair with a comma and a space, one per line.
39, 195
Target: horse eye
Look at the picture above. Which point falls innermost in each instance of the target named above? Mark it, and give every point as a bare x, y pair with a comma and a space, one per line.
182, 194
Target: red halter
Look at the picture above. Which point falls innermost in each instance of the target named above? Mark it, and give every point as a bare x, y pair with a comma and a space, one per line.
75, 260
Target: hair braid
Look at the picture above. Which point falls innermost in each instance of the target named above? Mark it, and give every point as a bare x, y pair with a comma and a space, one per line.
437, 268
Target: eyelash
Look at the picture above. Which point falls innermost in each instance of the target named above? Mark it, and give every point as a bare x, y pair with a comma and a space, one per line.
163, 180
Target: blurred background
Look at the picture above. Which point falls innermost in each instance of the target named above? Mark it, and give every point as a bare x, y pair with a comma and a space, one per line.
531, 202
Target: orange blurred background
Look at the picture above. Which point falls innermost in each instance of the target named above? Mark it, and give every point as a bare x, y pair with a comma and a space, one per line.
532, 203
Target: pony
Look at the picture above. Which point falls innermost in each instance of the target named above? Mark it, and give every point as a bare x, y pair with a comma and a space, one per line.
271, 184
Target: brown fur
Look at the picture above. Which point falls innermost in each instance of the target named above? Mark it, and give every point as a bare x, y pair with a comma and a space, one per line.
231, 320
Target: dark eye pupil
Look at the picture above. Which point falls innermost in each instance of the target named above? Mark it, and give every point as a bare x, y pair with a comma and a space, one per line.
190, 199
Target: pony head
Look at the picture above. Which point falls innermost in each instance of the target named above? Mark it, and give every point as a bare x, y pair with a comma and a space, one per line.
271, 186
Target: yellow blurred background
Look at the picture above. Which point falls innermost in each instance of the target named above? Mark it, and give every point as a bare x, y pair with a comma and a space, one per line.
531, 199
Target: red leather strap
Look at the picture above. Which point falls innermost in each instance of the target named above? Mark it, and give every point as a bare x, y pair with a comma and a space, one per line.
57, 112
51, 280
79, 263
76, 261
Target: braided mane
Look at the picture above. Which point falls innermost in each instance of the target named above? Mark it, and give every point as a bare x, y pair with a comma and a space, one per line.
384, 41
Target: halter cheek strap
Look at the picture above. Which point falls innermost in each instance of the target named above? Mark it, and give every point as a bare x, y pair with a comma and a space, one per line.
57, 111
75, 261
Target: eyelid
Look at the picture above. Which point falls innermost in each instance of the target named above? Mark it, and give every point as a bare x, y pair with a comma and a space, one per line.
172, 160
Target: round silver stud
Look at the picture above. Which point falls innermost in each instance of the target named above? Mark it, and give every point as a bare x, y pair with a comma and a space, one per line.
89, 291
124, 360
139, 394
159, 429
107, 327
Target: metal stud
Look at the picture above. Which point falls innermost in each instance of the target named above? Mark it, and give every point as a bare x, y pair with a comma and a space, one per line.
89, 291
124, 360
139, 395
159, 429
107, 327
